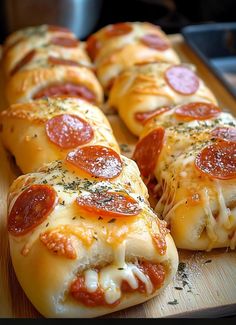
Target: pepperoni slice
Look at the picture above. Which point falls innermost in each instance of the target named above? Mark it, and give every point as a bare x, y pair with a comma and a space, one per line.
97, 161
31, 208
54, 28
26, 59
143, 117
64, 41
155, 41
93, 46
68, 131
181, 79
54, 60
147, 151
218, 160
225, 133
108, 204
198, 111
68, 89
118, 29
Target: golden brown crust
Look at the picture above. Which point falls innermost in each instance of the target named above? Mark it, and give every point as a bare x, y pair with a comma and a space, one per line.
26, 83
69, 241
200, 209
109, 44
32, 31
46, 275
23, 130
110, 68
117, 53
21, 42
41, 56
143, 88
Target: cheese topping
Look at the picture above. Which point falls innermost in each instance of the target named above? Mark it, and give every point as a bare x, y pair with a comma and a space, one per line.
144, 88
68, 186
178, 177
91, 280
69, 233
25, 126
224, 212
110, 278
210, 220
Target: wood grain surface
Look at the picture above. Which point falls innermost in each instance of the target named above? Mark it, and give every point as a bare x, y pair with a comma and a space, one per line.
205, 284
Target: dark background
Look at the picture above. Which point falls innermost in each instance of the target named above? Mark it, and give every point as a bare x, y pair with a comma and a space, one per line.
171, 15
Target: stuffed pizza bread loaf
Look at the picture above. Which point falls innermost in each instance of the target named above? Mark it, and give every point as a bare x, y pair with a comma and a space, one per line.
188, 156
34, 43
46, 129
48, 61
42, 30
118, 46
50, 80
143, 90
83, 239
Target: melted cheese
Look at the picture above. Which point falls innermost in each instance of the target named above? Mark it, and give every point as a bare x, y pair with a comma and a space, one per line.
68, 186
176, 173
210, 220
165, 204
224, 212
109, 246
91, 280
111, 277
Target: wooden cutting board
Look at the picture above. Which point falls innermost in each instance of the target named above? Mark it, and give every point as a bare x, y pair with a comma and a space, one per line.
205, 284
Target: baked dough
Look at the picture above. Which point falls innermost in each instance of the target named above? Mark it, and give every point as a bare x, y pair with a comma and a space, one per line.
144, 88
116, 47
26, 84
23, 130
40, 40
70, 245
38, 55
84, 241
32, 31
195, 175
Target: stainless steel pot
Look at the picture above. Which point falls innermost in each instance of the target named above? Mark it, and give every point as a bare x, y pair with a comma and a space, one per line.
80, 16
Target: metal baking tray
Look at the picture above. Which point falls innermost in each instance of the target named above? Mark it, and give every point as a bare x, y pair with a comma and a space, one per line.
215, 44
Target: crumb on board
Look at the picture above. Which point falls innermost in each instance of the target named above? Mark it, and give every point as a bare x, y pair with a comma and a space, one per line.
174, 302
207, 261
